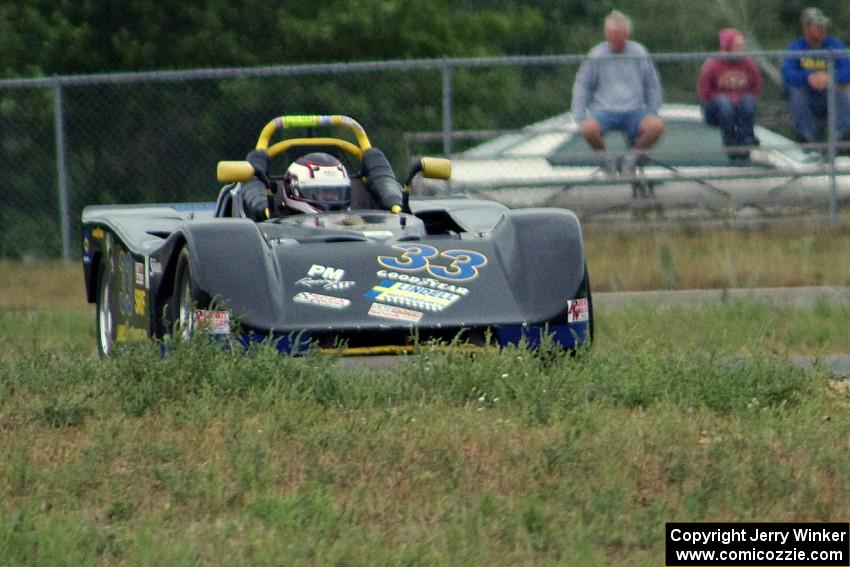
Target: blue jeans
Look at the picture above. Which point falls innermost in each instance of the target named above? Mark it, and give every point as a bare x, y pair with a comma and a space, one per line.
809, 109
735, 120
627, 122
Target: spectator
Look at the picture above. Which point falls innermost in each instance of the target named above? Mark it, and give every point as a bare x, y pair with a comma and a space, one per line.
806, 78
617, 89
728, 87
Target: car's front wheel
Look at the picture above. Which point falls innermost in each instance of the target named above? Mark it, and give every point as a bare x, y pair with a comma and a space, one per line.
187, 296
105, 320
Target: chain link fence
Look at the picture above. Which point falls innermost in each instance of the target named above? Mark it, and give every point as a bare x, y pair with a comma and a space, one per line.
68, 142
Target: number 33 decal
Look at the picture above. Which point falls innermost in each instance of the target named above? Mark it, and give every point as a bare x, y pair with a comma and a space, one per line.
464, 264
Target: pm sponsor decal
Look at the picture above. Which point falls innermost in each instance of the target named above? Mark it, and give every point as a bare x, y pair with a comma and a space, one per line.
577, 310
325, 277
393, 312
321, 300
411, 295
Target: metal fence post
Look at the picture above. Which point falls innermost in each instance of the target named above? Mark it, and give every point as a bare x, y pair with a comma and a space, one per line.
447, 109
833, 139
61, 175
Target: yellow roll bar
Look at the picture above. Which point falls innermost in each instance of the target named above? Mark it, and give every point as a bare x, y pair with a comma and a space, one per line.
308, 120
281, 147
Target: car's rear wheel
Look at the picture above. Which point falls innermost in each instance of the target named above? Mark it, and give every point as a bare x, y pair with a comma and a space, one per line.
105, 319
187, 297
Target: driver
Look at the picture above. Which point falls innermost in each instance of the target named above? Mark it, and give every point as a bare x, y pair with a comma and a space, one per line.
316, 182
313, 183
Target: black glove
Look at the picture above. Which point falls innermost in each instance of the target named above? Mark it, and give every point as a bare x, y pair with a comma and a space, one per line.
259, 160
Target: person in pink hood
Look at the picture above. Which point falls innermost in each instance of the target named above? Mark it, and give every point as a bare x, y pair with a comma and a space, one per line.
728, 86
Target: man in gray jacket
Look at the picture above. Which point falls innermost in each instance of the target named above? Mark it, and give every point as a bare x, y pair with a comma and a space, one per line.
617, 88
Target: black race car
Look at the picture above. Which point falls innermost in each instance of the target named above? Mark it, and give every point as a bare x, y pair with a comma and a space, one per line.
365, 280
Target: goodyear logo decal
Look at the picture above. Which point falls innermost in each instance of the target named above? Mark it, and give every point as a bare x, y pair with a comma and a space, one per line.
411, 295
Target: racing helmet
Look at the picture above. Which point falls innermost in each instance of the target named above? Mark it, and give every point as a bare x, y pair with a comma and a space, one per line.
316, 182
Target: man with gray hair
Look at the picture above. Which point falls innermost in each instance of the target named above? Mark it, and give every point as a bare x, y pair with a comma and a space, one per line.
617, 89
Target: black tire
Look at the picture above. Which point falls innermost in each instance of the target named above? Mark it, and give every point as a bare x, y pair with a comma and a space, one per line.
589, 303
104, 316
186, 297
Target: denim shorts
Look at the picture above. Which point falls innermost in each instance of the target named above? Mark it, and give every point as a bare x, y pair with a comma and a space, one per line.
627, 122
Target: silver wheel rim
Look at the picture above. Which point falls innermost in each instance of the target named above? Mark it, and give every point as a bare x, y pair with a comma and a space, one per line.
185, 304
105, 318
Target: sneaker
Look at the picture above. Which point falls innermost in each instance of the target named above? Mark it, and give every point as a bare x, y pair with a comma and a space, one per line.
608, 163
812, 156
739, 158
629, 164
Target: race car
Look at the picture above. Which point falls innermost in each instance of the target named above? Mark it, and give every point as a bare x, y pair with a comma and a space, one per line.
377, 278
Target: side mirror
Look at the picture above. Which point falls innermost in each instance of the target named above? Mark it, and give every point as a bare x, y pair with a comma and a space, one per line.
436, 168
430, 167
233, 171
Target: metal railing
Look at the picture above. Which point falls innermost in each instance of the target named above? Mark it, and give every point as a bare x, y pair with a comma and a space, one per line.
155, 136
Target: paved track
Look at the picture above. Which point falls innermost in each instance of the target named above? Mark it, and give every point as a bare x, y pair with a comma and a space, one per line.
839, 365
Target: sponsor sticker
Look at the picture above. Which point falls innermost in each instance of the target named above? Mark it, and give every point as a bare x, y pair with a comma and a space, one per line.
139, 302
321, 300
140, 273
325, 277
423, 281
126, 278
325, 284
213, 322
577, 310
410, 295
393, 312
125, 334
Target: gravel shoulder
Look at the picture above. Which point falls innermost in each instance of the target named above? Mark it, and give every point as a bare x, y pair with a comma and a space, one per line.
791, 296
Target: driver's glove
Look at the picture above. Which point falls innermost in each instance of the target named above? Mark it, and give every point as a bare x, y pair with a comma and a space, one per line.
259, 160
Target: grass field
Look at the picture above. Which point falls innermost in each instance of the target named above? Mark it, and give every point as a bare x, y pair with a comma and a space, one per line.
767, 257
502, 458
499, 459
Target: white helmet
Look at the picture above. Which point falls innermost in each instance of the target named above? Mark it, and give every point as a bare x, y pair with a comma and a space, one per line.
316, 182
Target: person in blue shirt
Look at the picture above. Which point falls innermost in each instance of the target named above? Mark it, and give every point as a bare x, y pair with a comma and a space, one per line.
806, 79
